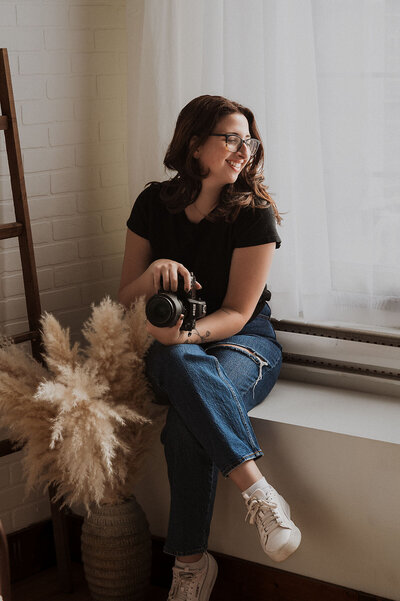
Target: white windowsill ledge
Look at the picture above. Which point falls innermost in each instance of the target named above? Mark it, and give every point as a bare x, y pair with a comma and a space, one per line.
342, 411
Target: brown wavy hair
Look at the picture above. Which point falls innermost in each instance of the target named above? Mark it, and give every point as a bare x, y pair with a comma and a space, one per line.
198, 119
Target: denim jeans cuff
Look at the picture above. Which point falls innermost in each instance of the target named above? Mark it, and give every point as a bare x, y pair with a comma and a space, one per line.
255, 455
169, 551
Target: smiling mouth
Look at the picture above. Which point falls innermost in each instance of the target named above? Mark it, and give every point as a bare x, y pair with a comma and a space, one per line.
235, 166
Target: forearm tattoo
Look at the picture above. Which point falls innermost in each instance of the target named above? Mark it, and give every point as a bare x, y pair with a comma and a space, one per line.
202, 339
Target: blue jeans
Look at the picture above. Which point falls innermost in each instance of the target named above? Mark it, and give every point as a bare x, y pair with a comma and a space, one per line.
210, 389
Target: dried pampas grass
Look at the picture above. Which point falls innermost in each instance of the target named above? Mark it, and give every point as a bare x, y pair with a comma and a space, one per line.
87, 421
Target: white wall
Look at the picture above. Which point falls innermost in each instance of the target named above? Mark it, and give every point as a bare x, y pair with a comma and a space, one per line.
16, 509
68, 65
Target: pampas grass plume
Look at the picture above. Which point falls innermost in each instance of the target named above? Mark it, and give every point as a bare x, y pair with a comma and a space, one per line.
88, 420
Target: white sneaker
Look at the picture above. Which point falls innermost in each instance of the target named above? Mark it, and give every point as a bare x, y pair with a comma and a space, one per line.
193, 585
269, 511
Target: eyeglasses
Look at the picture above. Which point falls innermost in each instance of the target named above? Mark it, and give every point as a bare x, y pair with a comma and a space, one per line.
234, 143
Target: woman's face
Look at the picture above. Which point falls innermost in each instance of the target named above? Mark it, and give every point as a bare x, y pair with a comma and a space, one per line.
223, 165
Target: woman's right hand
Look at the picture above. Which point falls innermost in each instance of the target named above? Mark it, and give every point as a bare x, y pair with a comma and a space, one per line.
165, 272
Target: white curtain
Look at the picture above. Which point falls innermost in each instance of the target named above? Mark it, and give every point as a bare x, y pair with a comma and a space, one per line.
322, 77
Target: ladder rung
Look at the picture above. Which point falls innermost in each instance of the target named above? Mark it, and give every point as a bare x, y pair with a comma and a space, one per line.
3, 122
24, 336
10, 230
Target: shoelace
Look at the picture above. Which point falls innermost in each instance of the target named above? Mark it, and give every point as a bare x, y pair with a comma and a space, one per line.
265, 511
183, 583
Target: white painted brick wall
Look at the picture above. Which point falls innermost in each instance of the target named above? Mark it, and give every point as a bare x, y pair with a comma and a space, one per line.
17, 510
68, 63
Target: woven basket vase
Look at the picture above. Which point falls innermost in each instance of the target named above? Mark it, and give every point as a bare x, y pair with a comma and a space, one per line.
116, 552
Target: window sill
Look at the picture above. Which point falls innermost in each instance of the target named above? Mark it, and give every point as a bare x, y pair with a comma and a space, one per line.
372, 415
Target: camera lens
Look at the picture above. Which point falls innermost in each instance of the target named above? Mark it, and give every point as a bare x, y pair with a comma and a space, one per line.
163, 310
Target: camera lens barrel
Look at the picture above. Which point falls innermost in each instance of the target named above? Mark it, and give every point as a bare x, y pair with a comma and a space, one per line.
163, 309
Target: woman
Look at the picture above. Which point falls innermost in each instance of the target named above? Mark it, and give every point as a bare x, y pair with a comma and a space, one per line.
213, 218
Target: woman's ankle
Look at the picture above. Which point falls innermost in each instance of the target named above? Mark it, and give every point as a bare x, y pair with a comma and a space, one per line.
190, 558
245, 475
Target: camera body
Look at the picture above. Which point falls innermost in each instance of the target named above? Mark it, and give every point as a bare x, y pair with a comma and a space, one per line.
164, 308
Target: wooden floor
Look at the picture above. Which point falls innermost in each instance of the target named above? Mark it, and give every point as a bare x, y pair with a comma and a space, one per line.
44, 587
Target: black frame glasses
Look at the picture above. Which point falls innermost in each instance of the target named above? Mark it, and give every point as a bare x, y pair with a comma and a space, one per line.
236, 143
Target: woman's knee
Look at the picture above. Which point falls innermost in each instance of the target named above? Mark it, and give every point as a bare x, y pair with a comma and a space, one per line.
252, 366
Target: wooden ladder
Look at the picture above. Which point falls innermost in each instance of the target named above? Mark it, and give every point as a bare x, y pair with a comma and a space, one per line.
21, 229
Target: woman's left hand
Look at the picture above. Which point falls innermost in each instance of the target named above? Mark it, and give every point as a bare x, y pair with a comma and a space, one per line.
168, 336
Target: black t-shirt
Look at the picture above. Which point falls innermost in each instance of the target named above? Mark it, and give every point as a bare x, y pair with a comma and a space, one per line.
204, 248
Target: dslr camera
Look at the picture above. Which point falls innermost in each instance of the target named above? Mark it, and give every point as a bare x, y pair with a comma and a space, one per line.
164, 308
